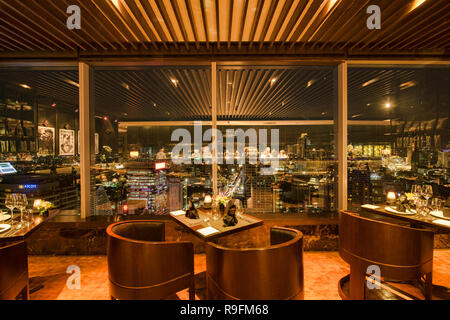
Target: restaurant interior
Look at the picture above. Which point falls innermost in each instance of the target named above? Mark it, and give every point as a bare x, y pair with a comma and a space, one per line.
281, 150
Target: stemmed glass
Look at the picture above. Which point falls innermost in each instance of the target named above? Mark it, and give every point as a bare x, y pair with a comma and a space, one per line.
427, 192
436, 204
10, 203
22, 203
416, 190
239, 209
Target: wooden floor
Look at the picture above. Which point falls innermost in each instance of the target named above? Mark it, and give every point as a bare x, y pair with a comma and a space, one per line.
322, 273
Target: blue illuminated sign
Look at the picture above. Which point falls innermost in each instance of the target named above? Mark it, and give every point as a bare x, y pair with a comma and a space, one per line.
30, 186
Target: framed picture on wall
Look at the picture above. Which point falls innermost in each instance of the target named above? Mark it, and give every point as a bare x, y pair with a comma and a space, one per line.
66, 142
46, 142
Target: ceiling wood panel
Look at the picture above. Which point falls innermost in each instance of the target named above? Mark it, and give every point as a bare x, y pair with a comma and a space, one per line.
161, 27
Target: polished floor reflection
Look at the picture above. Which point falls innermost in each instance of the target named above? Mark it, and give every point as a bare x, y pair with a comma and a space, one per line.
322, 273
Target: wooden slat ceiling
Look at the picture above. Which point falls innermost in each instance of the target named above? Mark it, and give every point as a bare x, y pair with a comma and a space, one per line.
221, 27
245, 93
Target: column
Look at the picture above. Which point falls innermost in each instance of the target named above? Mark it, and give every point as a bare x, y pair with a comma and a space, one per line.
86, 138
342, 137
214, 125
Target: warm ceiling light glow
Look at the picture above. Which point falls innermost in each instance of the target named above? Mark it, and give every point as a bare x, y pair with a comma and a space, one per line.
406, 85
174, 82
116, 3
72, 83
272, 81
331, 4
25, 86
356, 115
105, 118
387, 105
123, 84
310, 83
415, 4
365, 84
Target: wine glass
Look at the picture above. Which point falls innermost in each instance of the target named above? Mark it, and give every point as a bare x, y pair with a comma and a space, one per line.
22, 203
427, 191
10, 203
436, 204
239, 209
416, 190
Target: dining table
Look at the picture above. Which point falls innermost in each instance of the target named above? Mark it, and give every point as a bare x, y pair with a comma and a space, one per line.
21, 231
209, 229
437, 221
18, 232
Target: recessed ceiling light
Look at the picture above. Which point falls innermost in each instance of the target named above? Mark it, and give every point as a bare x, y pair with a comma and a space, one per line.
272, 81
387, 105
331, 4
154, 104
116, 3
310, 83
406, 85
72, 83
25, 86
365, 84
415, 4
174, 82
123, 84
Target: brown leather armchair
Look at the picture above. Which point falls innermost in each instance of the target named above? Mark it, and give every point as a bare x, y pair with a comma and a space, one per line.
272, 273
14, 272
142, 266
402, 253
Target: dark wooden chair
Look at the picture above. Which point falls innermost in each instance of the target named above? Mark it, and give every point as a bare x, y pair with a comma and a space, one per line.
142, 266
14, 272
272, 273
402, 253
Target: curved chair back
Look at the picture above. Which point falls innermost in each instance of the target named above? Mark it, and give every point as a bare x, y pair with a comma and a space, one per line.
272, 273
142, 266
401, 252
13, 271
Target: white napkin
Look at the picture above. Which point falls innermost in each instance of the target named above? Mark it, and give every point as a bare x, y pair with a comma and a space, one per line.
177, 213
207, 231
442, 222
369, 206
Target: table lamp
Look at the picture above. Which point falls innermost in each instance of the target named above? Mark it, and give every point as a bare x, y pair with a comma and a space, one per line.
207, 202
391, 197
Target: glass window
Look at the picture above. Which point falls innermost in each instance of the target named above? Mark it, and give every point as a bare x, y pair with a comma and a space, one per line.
280, 119
148, 159
398, 131
38, 136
